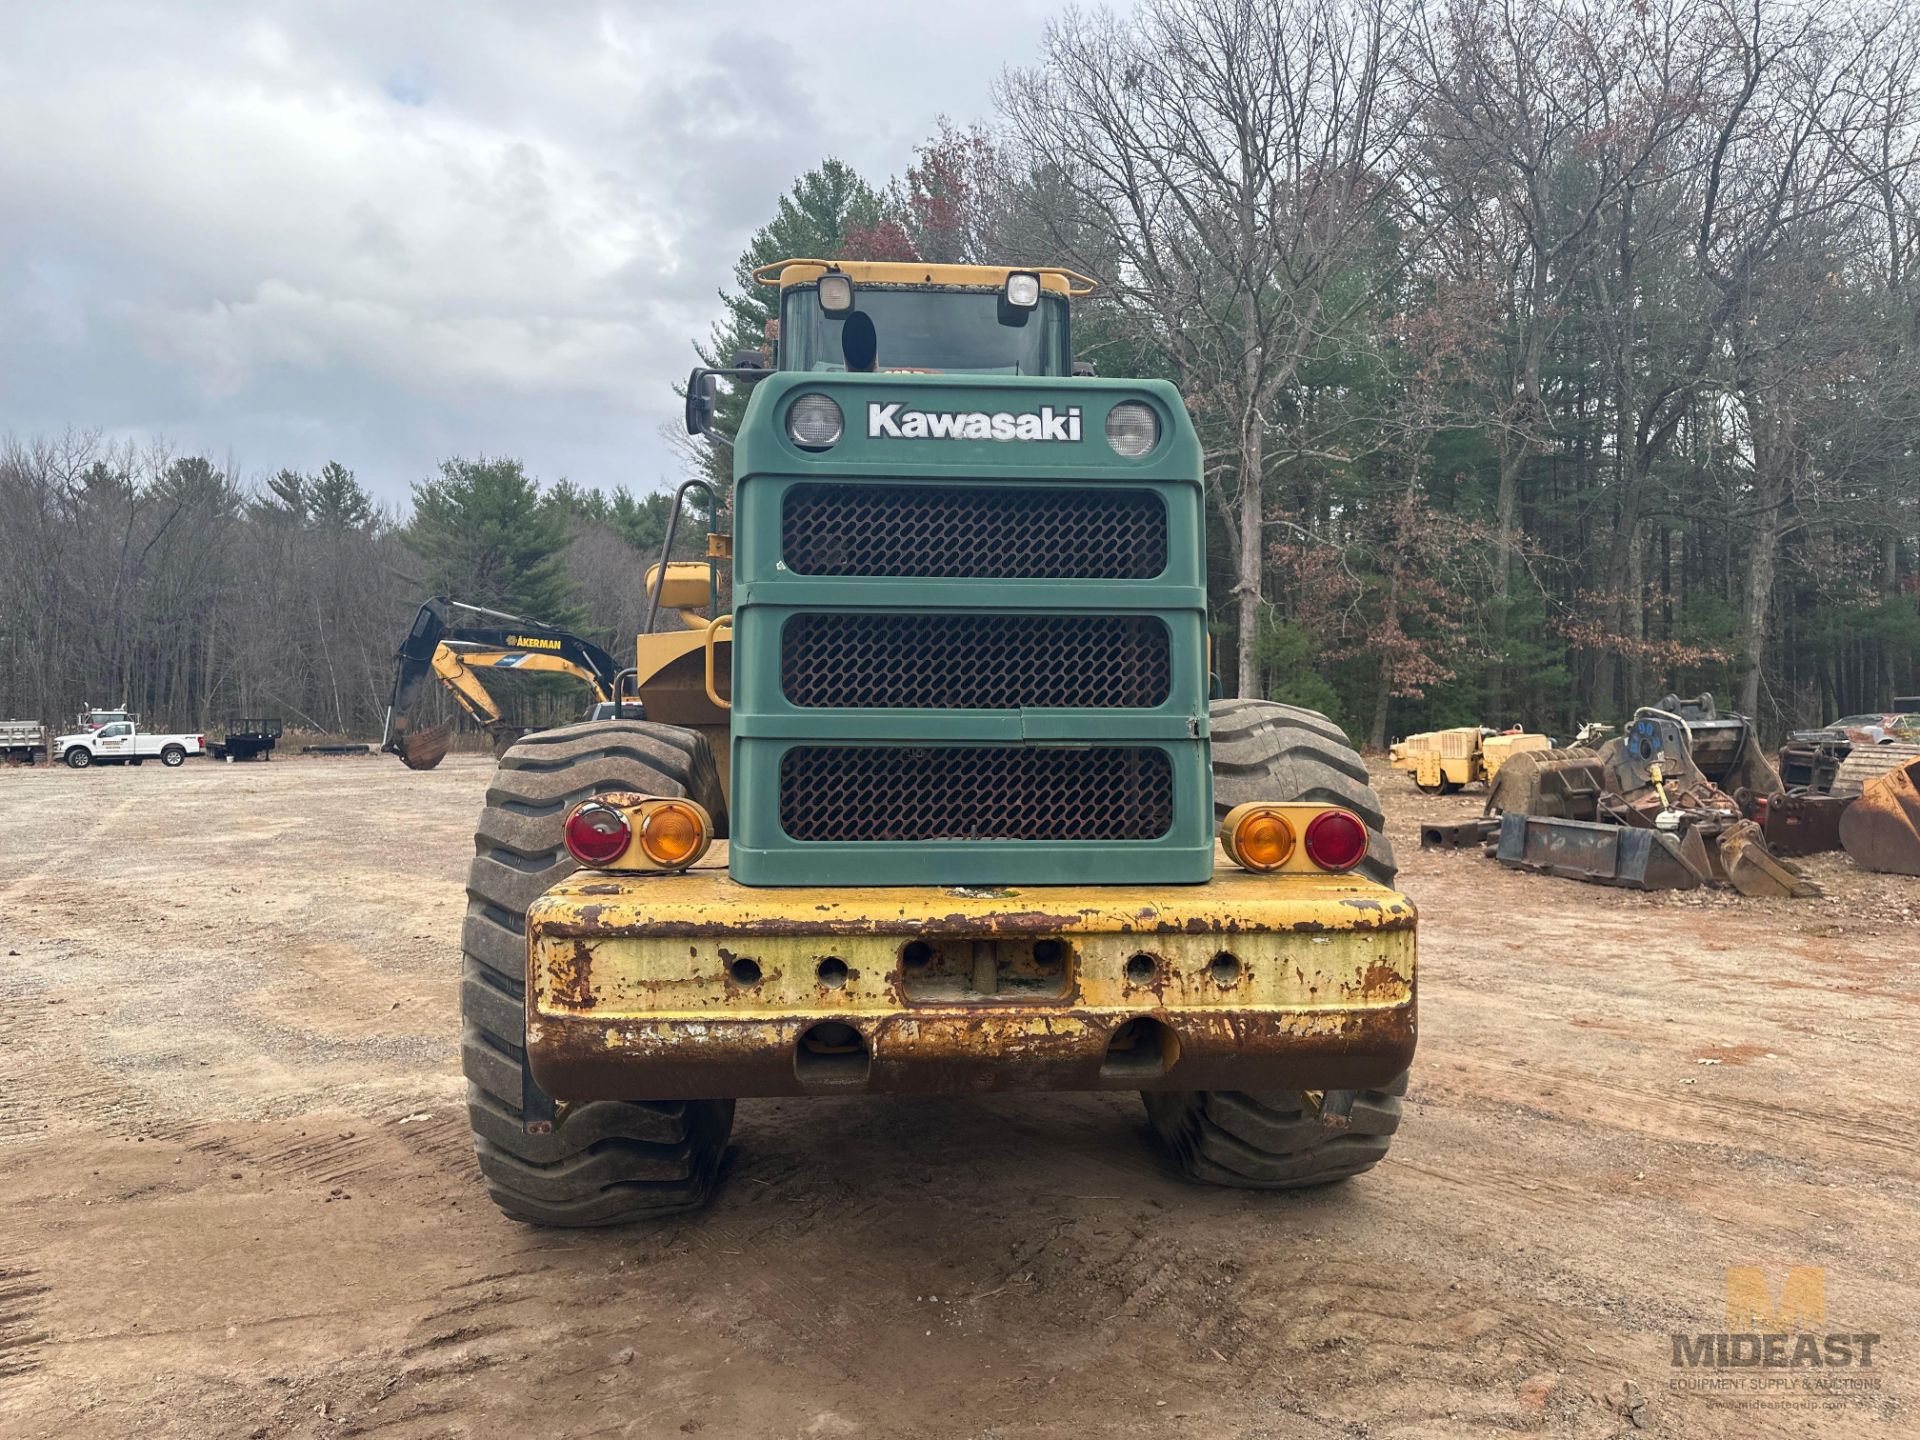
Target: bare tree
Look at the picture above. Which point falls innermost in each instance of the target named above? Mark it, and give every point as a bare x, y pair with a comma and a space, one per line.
1533, 126
1224, 165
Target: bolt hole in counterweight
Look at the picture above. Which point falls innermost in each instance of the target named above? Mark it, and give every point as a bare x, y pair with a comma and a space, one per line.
1225, 968
832, 972
745, 972
1141, 969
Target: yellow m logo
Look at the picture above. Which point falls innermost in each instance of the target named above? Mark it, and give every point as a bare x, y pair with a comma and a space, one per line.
1802, 1305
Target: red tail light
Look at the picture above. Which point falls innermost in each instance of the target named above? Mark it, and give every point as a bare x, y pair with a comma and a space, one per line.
597, 833
1336, 840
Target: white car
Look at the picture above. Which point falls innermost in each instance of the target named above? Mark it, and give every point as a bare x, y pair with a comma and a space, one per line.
123, 743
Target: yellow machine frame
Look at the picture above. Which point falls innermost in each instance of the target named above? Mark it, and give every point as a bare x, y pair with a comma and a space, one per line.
1310, 975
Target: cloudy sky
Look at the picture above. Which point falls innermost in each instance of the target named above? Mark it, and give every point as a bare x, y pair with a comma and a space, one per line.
386, 234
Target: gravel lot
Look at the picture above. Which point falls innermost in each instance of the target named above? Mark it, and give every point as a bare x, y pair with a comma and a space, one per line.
237, 1198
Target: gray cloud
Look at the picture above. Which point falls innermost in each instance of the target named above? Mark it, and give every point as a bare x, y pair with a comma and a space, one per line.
386, 234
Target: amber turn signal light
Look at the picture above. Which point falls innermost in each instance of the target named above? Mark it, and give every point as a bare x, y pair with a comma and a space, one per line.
674, 833
1257, 837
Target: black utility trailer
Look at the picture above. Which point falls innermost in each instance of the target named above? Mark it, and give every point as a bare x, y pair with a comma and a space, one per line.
249, 738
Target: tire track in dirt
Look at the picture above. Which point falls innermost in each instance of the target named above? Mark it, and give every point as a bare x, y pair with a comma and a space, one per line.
1758, 1122
22, 1298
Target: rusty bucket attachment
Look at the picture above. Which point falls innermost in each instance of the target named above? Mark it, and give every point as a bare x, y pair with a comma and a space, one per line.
1801, 824
1881, 830
1753, 870
1622, 855
1562, 783
424, 748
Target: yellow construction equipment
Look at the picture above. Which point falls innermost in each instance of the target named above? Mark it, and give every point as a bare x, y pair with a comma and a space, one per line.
1442, 761
456, 655
988, 833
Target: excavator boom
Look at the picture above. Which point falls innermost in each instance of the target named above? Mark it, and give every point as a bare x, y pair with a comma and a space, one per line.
457, 654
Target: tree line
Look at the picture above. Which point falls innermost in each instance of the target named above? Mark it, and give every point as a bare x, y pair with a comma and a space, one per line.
130, 575
1547, 356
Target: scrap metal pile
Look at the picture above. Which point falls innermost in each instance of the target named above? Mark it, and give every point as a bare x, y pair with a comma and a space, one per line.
1686, 798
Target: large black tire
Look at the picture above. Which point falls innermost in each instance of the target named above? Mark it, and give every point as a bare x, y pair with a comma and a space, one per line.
78, 757
1283, 1140
604, 1162
173, 756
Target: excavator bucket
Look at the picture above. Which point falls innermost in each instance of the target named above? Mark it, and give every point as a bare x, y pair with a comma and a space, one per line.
1564, 784
424, 748
1881, 830
1754, 870
505, 737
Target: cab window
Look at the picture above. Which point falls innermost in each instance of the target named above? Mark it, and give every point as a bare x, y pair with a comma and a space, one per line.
966, 331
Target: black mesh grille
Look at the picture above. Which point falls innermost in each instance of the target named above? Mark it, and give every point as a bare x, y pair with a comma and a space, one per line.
883, 792
975, 662
986, 533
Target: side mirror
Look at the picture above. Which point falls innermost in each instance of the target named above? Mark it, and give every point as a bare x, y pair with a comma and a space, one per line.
702, 396
750, 360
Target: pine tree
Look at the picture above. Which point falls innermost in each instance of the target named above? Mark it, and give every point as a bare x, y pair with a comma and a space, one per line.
337, 501
485, 537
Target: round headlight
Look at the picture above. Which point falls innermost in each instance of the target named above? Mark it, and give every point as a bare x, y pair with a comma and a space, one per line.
1132, 428
815, 422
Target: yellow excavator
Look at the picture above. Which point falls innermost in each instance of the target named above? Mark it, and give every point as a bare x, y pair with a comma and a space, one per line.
458, 654
679, 677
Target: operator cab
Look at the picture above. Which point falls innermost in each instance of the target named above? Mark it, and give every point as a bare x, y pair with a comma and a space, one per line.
887, 316
971, 329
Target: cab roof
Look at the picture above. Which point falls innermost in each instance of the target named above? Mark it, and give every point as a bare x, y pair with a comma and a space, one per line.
898, 272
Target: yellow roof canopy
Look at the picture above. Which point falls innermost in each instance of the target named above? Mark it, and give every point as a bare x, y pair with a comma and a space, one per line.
903, 272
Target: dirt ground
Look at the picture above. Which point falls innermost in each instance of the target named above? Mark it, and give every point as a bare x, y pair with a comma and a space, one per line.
237, 1197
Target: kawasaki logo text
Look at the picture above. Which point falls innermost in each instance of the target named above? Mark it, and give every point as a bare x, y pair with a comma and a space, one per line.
1045, 424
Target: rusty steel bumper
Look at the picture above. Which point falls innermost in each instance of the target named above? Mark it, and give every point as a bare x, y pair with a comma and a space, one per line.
658, 987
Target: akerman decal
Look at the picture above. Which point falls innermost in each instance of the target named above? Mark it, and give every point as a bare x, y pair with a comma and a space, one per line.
532, 642
895, 422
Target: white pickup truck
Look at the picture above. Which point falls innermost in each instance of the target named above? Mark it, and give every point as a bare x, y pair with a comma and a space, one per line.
123, 742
